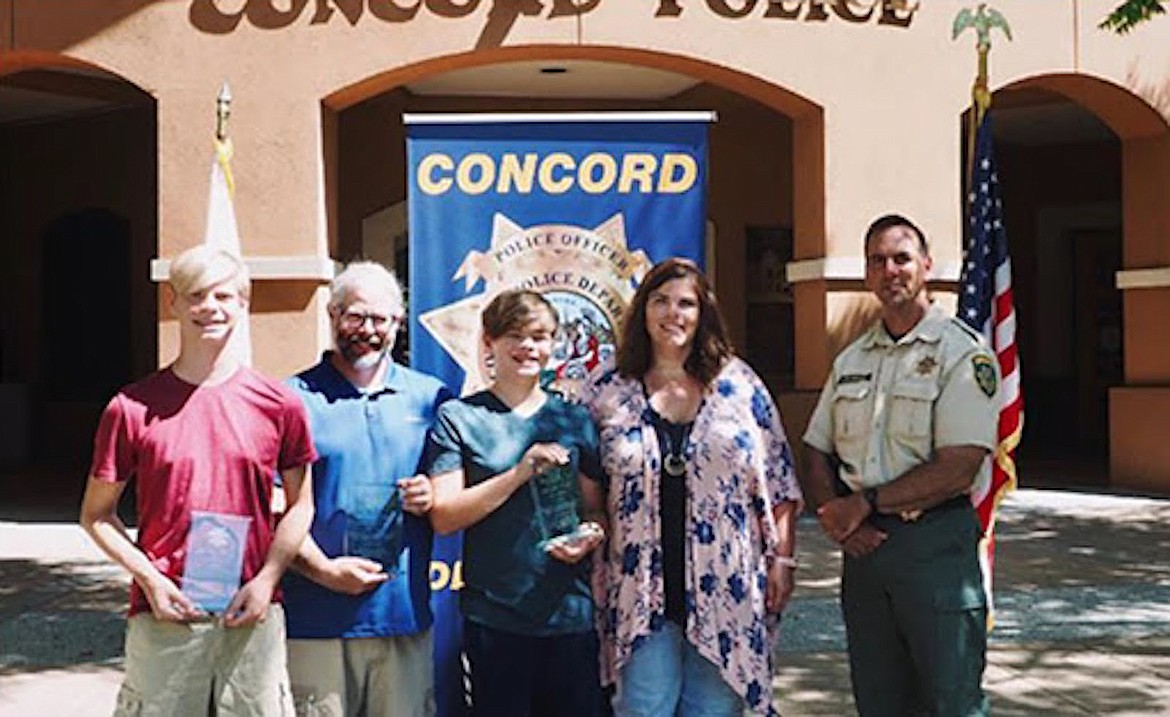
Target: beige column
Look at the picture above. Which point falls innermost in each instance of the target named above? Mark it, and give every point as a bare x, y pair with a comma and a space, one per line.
1139, 453
844, 179
279, 203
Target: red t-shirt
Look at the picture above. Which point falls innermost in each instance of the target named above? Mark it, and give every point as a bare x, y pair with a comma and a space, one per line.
212, 448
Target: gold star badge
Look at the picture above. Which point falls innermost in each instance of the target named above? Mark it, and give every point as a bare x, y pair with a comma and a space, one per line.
587, 274
926, 365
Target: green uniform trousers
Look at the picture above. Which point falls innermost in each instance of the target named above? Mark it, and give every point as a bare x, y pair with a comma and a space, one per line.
916, 618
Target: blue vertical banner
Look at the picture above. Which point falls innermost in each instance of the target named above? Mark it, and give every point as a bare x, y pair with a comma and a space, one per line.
576, 206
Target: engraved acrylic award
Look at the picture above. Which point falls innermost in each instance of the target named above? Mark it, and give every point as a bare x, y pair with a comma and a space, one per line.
373, 524
215, 559
555, 497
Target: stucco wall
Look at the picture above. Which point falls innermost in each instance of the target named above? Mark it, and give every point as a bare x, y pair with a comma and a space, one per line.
890, 95
875, 110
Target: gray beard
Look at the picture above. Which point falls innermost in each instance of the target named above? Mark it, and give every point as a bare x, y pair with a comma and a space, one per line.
369, 361
363, 362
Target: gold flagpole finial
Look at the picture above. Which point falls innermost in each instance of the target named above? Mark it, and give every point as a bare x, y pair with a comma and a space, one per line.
223, 110
981, 19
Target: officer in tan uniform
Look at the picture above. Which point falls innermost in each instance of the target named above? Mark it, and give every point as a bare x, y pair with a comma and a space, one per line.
900, 434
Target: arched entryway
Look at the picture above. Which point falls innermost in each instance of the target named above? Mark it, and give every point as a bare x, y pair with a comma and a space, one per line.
765, 188
1078, 162
79, 217
85, 257
766, 162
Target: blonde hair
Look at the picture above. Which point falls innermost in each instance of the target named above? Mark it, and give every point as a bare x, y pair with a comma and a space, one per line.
204, 266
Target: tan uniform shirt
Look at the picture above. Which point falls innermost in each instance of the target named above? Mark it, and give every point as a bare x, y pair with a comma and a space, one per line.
888, 404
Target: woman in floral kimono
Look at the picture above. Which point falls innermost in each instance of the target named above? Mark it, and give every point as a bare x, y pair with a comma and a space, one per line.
702, 503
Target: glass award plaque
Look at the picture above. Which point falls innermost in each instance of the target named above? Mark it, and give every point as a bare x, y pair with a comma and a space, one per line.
373, 524
555, 497
215, 559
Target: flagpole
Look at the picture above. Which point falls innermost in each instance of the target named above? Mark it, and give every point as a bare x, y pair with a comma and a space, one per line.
981, 19
222, 231
985, 282
223, 110
223, 144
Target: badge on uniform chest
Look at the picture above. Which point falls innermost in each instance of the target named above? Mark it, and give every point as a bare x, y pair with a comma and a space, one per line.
926, 366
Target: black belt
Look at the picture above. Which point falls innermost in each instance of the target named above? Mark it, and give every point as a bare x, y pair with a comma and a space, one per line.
889, 523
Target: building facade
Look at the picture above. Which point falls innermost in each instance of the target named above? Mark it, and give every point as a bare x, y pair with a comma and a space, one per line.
830, 113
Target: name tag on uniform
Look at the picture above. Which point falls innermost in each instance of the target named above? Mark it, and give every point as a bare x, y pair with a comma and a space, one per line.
854, 378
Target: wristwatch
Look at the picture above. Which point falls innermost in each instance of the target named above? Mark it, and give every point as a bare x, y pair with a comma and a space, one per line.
871, 497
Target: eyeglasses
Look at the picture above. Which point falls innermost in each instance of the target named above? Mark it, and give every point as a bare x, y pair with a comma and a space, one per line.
357, 319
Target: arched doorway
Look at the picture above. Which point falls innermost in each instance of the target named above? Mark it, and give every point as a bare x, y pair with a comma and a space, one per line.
765, 187
766, 167
85, 255
79, 218
1073, 155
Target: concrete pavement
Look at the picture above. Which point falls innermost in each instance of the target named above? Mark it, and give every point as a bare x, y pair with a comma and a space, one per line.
1083, 628
1083, 612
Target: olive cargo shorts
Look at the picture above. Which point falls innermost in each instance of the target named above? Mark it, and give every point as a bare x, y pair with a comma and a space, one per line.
204, 668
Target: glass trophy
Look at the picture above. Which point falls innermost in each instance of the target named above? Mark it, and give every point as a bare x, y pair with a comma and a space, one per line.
373, 524
215, 559
555, 497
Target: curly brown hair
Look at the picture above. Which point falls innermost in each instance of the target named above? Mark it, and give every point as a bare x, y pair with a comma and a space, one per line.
711, 348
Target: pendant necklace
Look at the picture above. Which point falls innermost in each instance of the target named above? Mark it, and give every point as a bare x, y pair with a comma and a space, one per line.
673, 462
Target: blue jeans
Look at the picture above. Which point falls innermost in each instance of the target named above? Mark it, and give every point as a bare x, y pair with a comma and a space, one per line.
666, 675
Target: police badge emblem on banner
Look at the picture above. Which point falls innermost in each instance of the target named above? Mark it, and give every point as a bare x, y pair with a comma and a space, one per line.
576, 206
587, 274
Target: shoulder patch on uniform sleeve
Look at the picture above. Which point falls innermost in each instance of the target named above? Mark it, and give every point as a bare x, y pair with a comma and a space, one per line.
985, 374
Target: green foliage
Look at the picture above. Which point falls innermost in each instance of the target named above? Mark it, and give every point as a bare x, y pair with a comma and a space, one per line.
1131, 13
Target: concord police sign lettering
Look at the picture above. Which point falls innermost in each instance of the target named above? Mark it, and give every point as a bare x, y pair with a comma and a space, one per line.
557, 173
223, 16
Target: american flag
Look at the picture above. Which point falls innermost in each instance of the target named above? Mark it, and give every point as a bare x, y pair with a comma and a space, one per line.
985, 304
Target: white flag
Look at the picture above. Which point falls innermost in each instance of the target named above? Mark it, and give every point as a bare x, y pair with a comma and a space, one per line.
223, 234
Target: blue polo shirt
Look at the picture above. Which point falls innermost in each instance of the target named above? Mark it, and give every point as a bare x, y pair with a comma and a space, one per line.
366, 440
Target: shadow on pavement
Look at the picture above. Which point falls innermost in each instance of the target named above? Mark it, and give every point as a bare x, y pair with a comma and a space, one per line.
1083, 621
1082, 589
60, 614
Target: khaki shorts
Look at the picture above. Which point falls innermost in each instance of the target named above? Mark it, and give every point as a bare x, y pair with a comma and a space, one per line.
371, 676
204, 668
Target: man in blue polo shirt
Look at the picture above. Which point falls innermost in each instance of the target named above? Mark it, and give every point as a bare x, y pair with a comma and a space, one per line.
359, 621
